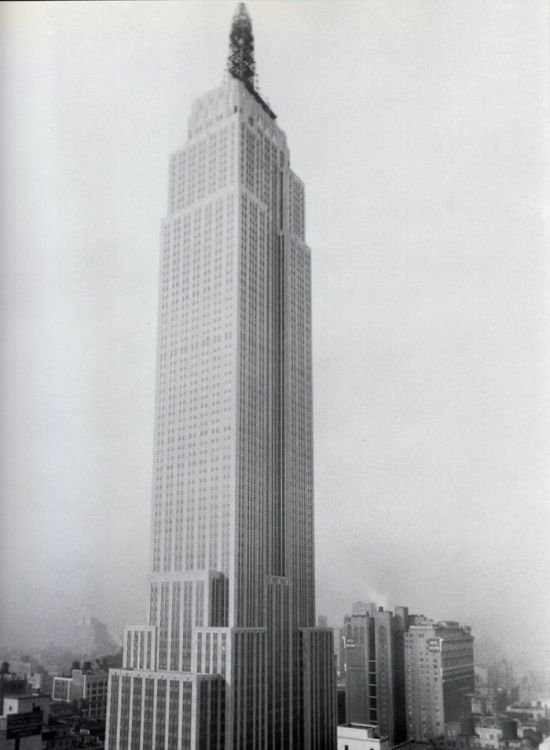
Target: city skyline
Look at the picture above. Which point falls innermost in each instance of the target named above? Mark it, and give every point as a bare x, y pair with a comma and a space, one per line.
424, 215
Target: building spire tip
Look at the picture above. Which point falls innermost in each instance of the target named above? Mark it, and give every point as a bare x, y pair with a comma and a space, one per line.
240, 62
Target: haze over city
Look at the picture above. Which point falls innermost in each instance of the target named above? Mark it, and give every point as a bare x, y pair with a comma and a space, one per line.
420, 131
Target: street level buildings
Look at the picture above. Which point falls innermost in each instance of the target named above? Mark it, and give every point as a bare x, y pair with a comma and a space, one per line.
230, 657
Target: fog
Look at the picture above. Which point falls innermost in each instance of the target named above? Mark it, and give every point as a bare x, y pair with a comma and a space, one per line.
421, 132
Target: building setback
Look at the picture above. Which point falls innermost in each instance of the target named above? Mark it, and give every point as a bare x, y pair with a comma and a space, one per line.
230, 657
439, 669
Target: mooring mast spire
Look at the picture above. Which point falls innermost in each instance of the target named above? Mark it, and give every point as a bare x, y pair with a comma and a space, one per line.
240, 62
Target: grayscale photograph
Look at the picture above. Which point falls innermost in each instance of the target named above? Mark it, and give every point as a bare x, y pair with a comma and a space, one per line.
275, 375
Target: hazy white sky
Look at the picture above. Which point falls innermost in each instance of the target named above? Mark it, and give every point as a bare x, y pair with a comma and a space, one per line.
420, 130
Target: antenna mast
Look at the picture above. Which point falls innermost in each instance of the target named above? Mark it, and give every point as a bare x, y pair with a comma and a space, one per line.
240, 62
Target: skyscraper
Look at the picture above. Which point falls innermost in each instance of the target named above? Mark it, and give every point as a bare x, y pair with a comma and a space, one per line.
439, 668
230, 657
373, 642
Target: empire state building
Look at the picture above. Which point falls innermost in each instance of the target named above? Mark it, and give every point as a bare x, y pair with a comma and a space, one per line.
230, 658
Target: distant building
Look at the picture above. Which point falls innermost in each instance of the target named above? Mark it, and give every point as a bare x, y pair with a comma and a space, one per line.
86, 687
481, 675
439, 667
374, 667
529, 712
92, 638
484, 733
501, 674
18, 668
17, 677
41, 682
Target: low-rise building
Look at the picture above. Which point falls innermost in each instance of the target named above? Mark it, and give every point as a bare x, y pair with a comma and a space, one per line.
489, 733
361, 737
529, 711
21, 721
88, 688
